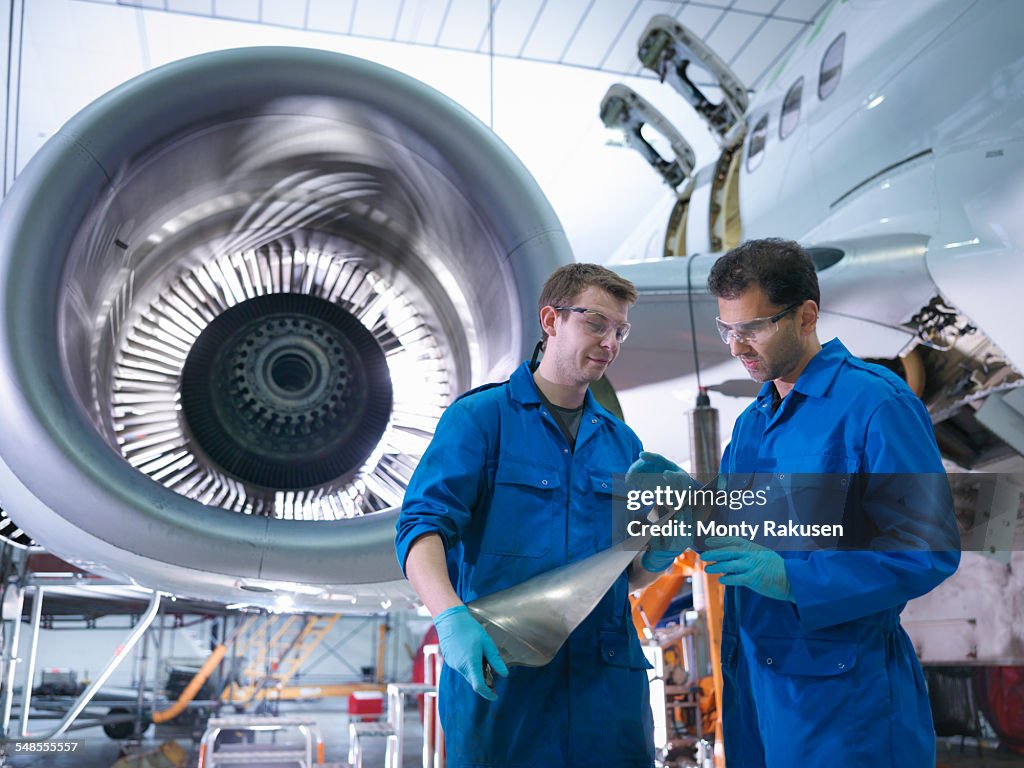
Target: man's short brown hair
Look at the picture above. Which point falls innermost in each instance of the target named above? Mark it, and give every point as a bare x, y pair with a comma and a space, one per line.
568, 282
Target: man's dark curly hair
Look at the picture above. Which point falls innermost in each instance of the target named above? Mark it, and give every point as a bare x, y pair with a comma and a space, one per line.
782, 268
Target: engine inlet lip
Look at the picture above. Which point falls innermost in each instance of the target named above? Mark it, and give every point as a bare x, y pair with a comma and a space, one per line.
102, 494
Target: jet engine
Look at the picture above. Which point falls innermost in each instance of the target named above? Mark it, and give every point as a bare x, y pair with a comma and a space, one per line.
238, 292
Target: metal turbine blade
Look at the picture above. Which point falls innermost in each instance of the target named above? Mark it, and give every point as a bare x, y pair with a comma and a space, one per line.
530, 621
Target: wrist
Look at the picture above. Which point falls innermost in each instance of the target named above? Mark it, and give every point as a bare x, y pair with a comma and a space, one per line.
447, 612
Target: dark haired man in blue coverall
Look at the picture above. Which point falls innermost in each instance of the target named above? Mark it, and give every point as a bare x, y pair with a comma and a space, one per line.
518, 481
818, 671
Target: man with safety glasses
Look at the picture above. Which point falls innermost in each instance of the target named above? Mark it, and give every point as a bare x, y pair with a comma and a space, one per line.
817, 669
517, 481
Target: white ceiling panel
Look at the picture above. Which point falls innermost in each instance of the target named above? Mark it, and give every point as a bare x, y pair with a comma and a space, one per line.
466, 22
204, 7
710, 3
801, 10
766, 47
420, 21
248, 10
763, 7
334, 16
284, 13
733, 33
160, 5
513, 22
594, 35
557, 21
700, 19
377, 19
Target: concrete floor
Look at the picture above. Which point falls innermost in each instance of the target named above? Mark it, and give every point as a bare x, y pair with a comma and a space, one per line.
950, 755
96, 750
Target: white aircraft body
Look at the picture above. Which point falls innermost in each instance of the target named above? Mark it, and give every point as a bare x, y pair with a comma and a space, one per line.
890, 142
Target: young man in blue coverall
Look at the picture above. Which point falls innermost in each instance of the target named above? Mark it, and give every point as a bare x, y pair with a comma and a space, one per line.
818, 671
518, 481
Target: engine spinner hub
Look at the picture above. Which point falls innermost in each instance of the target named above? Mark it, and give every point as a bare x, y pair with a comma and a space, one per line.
286, 391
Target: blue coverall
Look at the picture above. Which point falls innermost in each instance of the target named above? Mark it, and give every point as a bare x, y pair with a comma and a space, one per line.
832, 679
510, 499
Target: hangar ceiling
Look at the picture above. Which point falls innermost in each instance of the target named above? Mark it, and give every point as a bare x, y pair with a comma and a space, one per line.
751, 35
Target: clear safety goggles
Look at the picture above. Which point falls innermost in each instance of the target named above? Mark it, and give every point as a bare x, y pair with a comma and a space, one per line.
752, 331
597, 324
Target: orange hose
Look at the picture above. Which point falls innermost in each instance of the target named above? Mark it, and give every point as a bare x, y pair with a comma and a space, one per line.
192, 688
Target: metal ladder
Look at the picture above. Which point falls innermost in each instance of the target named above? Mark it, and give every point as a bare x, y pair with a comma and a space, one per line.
303, 755
276, 649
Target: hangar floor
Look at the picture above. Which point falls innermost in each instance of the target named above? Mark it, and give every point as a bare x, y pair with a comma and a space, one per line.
98, 751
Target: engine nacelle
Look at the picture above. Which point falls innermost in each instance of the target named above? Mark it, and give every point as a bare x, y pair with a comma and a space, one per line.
238, 292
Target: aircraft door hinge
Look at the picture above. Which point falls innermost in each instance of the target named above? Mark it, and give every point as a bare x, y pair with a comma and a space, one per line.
624, 109
668, 48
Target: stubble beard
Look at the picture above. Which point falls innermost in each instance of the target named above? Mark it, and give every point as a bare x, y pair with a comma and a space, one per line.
786, 359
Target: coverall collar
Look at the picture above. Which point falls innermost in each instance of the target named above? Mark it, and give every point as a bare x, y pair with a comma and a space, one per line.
817, 377
524, 391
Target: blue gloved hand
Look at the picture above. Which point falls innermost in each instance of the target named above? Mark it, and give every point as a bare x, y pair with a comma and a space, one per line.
464, 645
647, 473
649, 463
746, 564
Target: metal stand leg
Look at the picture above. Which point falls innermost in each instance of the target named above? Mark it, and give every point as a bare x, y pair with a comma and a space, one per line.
86, 696
33, 653
355, 755
12, 661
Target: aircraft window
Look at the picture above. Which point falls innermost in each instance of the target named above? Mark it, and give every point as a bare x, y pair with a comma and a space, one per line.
755, 150
831, 67
791, 109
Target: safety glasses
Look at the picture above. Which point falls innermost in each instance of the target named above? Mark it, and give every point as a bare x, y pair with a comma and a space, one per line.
754, 331
597, 324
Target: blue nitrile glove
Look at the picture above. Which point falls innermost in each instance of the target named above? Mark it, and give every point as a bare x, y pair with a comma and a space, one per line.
464, 645
663, 550
746, 564
653, 469
649, 463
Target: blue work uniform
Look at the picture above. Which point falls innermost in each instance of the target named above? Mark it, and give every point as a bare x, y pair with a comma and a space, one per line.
511, 499
832, 679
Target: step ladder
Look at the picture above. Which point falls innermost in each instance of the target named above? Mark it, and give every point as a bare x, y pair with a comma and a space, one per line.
258, 752
275, 646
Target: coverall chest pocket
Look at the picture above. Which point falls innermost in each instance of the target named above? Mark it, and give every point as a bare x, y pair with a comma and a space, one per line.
814, 499
521, 518
806, 657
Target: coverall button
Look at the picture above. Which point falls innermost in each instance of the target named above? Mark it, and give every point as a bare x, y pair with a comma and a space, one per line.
593, 421
768, 660
842, 666
604, 485
611, 653
543, 482
565, 450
